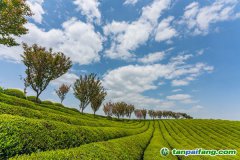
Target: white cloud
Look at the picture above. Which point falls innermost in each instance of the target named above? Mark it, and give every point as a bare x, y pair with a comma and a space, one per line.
130, 2
128, 83
126, 37
89, 8
191, 110
165, 31
36, 8
176, 90
179, 97
152, 57
190, 73
200, 52
67, 78
182, 98
198, 19
176, 82
87, 43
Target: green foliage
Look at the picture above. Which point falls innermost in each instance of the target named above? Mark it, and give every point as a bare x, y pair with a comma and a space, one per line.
22, 107
131, 147
22, 136
43, 66
13, 16
62, 91
59, 104
14, 92
82, 89
157, 142
97, 94
47, 102
1, 90
34, 99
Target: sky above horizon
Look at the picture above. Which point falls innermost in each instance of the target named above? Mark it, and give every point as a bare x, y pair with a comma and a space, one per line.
173, 55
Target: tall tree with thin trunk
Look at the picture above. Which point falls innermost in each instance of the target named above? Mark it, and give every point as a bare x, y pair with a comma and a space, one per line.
43, 66
62, 91
13, 16
144, 113
97, 94
83, 88
107, 108
129, 110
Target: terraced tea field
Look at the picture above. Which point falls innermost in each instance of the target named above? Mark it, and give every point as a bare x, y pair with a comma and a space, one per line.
49, 131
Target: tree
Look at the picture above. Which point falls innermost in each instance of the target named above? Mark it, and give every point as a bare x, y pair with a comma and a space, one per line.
82, 90
13, 15
62, 91
107, 108
159, 114
150, 113
43, 66
119, 109
97, 94
138, 113
144, 113
129, 110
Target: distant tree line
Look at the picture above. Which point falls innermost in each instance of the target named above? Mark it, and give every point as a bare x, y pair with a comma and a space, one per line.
119, 109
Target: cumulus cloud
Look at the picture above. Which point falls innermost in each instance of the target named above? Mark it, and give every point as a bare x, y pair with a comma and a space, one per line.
130, 2
179, 97
176, 90
198, 19
182, 98
165, 31
37, 9
152, 57
129, 82
126, 37
89, 8
67, 78
87, 43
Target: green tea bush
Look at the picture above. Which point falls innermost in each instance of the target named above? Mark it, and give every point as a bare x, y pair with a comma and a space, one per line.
130, 148
14, 92
23, 136
1, 90
47, 102
33, 99
59, 104
157, 142
22, 107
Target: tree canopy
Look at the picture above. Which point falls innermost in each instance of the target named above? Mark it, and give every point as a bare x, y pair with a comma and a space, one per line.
43, 66
13, 15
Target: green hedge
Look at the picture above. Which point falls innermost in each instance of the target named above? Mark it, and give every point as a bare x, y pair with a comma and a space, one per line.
157, 142
130, 148
31, 113
21, 107
33, 99
47, 102
15, 92
23, 136
59, 104
1, 90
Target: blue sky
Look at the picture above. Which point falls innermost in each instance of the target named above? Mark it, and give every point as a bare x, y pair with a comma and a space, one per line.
156, 54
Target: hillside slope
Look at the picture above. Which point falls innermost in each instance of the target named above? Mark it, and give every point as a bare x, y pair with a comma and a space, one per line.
48, 131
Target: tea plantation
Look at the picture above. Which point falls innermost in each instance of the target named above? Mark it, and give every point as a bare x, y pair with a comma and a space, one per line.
42, 131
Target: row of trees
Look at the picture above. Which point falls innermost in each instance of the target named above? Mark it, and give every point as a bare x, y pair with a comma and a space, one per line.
119, 109
122, 109
141, 114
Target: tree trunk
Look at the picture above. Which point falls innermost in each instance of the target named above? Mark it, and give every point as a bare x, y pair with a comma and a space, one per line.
37, 97
82, 110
